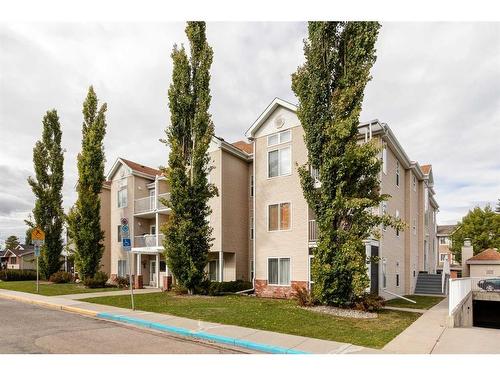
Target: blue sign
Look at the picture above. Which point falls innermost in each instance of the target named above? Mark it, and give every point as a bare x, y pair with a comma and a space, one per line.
37, 250
126, 244
124, 228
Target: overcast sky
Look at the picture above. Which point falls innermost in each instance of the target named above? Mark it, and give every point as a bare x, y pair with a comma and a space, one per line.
435, 84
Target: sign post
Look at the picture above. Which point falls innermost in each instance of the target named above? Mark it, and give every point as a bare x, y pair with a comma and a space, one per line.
38, 239
127, 246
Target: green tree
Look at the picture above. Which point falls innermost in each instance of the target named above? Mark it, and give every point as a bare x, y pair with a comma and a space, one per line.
330, 85
11, 242
48, 160
188, 233
84, 223
482, 226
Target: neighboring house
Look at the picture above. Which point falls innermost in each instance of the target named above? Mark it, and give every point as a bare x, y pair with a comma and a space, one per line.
263, 229
444, 233
484, 264
20, 258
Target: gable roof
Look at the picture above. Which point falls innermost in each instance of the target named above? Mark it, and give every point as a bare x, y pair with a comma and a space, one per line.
488, 255
20, 251
445, 230
277, 102
426, 168
136, 168
243, 146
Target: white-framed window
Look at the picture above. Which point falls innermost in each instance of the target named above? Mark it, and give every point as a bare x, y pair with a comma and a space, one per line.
397, 217
384, 211
279, 162
122, 198
251, 186
384, 158
442, 240
122, 268
443, 257
279, 216
414, 183
279, 138
213, 270
311, 257
251, 228
278, 271
414, 226
397, 173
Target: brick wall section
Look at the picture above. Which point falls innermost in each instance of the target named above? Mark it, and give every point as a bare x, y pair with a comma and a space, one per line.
262, 289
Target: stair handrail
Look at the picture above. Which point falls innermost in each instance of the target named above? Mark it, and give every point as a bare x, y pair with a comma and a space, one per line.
397, 295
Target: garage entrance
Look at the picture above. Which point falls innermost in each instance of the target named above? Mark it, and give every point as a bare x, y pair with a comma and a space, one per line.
486, 314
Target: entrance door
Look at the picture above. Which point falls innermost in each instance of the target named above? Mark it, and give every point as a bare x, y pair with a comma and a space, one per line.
152, 272
374, 272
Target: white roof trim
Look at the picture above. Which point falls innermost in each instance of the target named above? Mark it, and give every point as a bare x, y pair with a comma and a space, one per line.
277, 102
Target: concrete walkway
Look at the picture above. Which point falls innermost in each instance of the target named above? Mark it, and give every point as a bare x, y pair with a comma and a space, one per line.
122, 292
407, 309
248, 338
423, 334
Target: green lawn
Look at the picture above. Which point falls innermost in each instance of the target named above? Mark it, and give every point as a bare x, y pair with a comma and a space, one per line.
47, 289
272, 315
423, 302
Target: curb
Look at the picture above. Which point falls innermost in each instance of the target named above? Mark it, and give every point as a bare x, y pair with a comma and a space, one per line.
200, 335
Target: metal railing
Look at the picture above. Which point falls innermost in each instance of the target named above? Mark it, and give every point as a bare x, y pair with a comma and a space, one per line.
148, 240
148, 204
313, 231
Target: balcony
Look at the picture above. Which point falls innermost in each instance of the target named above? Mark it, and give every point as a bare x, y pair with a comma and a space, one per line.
150, 204
12, 266
313, 231
148, 241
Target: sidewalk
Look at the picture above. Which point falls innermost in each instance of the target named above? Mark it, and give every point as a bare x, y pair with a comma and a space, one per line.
248, 338
421, 336
122, 292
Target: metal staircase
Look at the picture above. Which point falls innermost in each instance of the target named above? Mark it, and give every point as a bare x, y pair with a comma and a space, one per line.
429, 284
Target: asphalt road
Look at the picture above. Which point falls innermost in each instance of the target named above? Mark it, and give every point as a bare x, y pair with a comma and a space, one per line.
26, 328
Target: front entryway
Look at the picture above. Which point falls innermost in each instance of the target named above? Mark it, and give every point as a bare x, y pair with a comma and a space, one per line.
152, 273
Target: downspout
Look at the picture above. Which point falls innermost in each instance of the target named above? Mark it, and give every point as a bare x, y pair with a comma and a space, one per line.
254, 214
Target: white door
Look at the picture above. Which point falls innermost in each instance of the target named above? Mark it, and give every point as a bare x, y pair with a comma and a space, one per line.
152, 272
152, 203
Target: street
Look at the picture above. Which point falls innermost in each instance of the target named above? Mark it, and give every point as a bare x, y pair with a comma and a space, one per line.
26, 328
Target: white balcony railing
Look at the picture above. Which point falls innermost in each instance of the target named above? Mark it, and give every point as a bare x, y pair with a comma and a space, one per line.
313, 231
148, 240
149, 204
12, 266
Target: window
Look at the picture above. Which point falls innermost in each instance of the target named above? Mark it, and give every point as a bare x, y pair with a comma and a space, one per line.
278, 270
119, 233
414, 226
279, 216
213, 270
122, 268
384, 211
279, 138
397, 279
251, 270
397, 173
152, 229
279, 162
414, 183
311, 257
397, 217
384, 158
163, 266
122, 198
442, 240
251, 228
251, 186
384, 274
443, 257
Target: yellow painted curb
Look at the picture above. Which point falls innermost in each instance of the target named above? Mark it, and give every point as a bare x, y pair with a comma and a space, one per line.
50, 305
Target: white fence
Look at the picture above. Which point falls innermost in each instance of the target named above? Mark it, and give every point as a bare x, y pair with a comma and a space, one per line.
459, 289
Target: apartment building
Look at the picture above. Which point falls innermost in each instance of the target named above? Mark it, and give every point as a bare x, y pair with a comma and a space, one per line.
285, 227
263, 229
443, 235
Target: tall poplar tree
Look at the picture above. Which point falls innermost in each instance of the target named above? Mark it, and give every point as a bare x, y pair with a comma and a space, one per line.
330, 85
188, 233
84, 223
48, 214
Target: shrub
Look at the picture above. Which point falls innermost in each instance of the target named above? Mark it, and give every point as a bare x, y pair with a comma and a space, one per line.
369, 302
303, 296
218, 288
98, 281
17, 275
61, 277
122, 282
